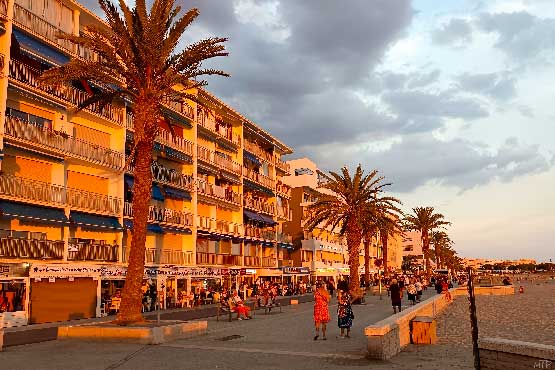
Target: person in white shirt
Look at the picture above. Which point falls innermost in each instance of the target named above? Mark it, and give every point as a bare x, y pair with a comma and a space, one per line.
418, 286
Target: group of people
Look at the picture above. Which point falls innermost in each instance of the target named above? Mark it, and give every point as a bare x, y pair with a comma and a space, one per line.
345, 315
414, 287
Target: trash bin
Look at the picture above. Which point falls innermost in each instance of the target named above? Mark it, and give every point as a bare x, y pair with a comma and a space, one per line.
423, 330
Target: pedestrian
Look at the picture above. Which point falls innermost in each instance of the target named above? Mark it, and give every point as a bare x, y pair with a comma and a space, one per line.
419, 289
321, 309
331, 287
445, 290
345, 313
396, 294
411, 293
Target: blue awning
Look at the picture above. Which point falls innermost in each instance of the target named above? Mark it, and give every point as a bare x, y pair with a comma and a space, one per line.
157, 229
154, 228
267, 244
128, 224
33, 47
156, 192
88, 221
267, 220
176, 193
251, 157
33, 213
255, 186
255, 217
175, 154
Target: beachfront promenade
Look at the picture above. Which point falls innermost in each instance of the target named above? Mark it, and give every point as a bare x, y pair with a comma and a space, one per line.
284, 340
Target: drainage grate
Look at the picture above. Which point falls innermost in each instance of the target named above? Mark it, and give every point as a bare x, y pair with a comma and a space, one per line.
231, 337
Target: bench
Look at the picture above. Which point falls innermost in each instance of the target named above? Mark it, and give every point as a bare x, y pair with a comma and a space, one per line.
269, 306
224, 309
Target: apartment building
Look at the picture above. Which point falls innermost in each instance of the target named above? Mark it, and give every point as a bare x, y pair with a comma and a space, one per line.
218, 205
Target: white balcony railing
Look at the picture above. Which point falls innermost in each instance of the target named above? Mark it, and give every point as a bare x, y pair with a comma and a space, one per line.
219, 192
63, 143
260, 205
223, 131
284, 213
220, 226
283, 166
178, 143
218, 160
258, 151
260, 233
163, 215
87, 200
164, 175
259, 178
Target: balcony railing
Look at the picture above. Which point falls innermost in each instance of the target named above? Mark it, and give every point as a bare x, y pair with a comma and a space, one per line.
284, 212
258, 232
32, 190
260, 261
258, 151
334, 239
219, 192
77, 198
28, 75
284, 166
284, 263
259, 178
218, 259
168, 256
163, 215
284, 238
167, 176
178, 143
31, 248
224, 132
180, 107
283, 189
217, 160
43, 192
3, 7
65, 144
92, 252
220, 226
260, 205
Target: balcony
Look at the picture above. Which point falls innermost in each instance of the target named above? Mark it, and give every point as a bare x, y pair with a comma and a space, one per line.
18, 188
180, 107
220, 226
62, 144
168, 257
260, 206
87, 200
283, 190
284, 213
162, 215
284, 238
164, 175
220, 130
258, 151
260, 261
21, 248
92, 252
217, 160
260, 233
70, 95
285, 263
3, 8
283, 166
219, 192
218, 259
259, 178
175, 142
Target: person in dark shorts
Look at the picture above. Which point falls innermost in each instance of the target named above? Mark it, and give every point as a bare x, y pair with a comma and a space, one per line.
396, 293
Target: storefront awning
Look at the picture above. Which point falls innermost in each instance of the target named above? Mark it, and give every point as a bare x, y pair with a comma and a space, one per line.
89, 221
33, 213
251, 157
176, 193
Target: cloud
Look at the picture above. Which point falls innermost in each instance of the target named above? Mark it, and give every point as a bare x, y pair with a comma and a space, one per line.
423, 80
521, 35
455, 32
420, 159
499, 86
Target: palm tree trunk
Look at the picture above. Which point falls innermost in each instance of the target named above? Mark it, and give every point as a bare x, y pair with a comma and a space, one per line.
366, 263
354, 236
383, 236
425, 248
437, 251
131, 302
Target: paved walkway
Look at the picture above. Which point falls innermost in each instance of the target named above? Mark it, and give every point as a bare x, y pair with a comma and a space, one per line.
284, 341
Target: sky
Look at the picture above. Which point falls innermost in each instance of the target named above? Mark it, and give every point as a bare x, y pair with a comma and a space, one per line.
450, 100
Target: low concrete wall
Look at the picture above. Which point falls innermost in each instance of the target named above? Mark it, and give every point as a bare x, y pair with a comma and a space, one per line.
502, 354
386, 338
134, 334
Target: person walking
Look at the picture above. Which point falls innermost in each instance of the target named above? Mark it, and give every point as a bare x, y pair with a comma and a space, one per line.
321, 309
418, 286
396, 293
345, 313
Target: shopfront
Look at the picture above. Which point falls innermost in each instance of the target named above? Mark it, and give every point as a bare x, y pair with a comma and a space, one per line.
14, 294
296, 275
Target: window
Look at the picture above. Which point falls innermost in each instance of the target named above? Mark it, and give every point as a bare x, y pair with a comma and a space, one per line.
30, 118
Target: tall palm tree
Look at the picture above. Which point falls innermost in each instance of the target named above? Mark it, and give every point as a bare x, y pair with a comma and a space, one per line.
425, 220
345, 207
441, 242
138, 61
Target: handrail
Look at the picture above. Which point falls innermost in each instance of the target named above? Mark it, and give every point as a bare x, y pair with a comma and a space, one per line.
217, 160
220, 192
66, 144
164, 215
204, 258
258, 151
259, 178
210, 125
31, 248
92, 252
29, 76
259, 205
222, 226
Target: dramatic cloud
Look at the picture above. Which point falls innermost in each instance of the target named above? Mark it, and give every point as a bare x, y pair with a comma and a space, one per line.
455, 32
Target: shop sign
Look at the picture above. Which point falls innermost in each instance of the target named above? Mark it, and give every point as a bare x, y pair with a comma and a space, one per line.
291, 270
64, 271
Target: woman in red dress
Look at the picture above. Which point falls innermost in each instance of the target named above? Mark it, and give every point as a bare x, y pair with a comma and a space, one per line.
321, 311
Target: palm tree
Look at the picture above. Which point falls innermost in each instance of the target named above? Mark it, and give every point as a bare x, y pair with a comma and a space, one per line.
138, 61
425, 220
441, 242
345, 207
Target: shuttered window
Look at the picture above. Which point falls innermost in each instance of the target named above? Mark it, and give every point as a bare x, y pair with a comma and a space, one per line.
27, 168
83, 181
